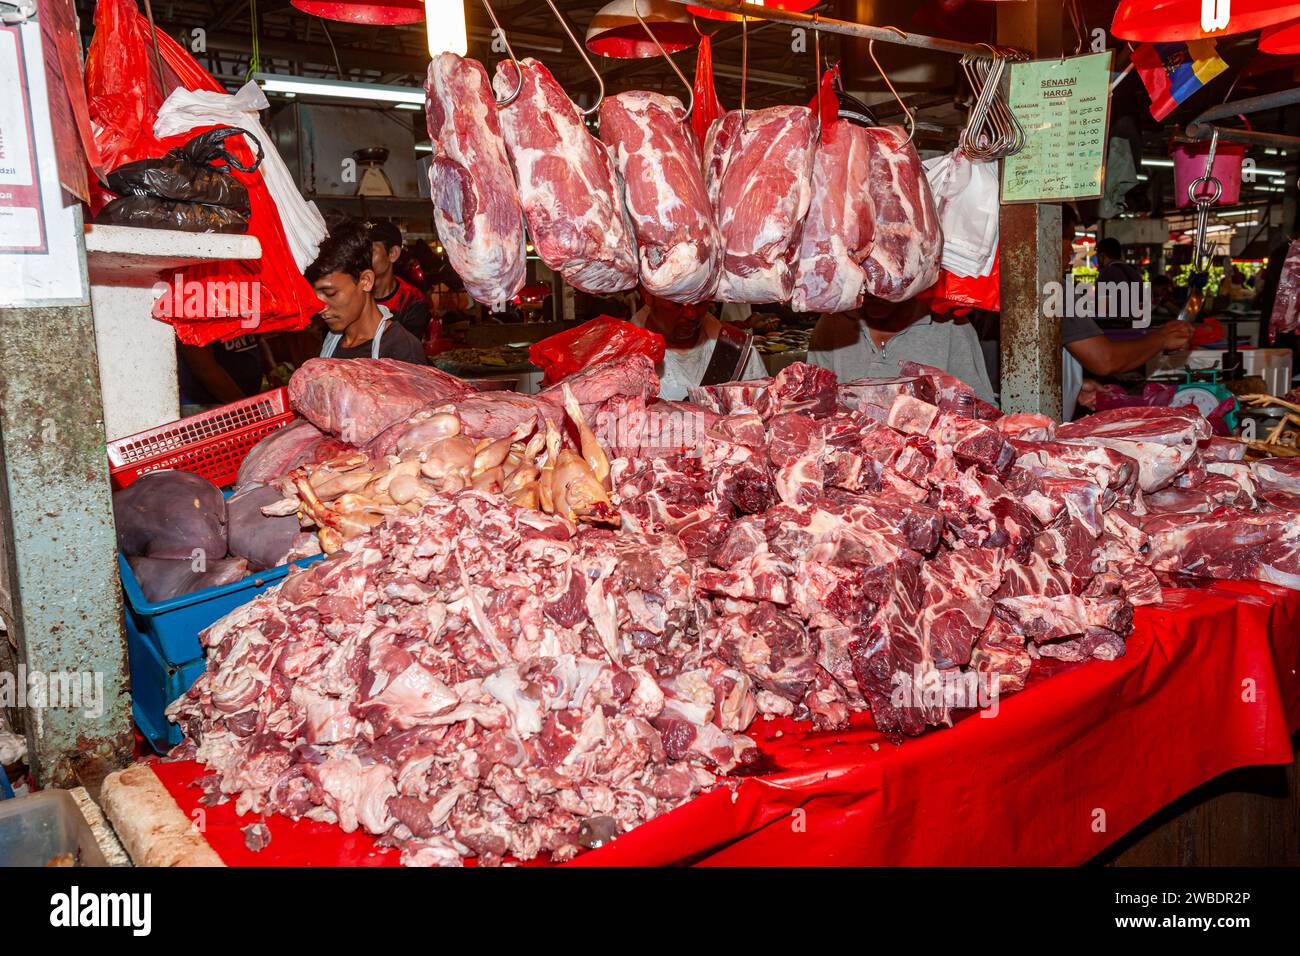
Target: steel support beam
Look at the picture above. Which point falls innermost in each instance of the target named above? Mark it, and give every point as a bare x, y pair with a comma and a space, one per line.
1030, 250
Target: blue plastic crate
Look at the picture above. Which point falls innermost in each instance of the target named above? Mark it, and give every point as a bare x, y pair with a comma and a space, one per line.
173, 625
154, 685
163, 641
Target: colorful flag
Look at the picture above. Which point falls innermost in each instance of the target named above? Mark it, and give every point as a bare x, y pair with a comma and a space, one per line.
1174, 71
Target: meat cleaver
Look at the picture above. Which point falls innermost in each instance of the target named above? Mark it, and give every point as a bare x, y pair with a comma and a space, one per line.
730, 355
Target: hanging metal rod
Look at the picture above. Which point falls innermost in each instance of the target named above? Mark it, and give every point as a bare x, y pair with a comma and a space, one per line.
1205, 125
843, 27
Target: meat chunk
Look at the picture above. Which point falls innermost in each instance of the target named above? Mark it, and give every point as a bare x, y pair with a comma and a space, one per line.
907, 244
837, 234
659, 160
570, 191
475, 201
763, 192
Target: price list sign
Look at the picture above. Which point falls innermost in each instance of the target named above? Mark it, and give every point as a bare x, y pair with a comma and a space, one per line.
1064, 107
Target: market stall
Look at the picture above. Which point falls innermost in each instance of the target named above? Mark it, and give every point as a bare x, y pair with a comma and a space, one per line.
1049, 780
892, 469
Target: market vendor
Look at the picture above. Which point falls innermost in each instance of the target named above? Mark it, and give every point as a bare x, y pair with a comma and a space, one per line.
407, 303
690, 332
1086, 347
873, 342
343, 276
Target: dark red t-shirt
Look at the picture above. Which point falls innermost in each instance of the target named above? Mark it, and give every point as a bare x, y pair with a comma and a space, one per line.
409, 308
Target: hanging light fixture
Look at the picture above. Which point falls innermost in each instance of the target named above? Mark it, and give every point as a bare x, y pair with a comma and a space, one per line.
1170, 21
794, 6
1283, 38
444, 23
615, 32
384, 13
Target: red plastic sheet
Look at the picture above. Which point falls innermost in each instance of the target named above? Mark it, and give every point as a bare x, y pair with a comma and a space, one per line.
1085, 753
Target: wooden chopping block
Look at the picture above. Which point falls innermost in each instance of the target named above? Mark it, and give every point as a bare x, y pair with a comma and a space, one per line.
149, 823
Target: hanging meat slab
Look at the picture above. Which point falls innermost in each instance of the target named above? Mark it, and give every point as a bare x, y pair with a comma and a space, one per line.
837, 233
475, 202
762, 167
658, 158
567, 182
908, 243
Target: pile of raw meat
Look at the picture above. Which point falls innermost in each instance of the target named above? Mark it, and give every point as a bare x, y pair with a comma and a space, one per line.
772, 208
473, 678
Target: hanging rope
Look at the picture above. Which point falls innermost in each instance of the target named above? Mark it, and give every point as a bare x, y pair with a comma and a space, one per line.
254, 61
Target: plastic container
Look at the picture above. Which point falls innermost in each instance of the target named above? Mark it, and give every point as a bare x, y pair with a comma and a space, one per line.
212, 444
173, 625
41, 826
163, 642
155, 683
1189, 165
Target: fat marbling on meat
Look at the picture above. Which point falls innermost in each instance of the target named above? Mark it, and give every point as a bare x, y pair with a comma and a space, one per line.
658, 158
475, 201
571, 194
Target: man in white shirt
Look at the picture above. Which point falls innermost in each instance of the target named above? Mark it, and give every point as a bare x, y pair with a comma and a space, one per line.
690, 334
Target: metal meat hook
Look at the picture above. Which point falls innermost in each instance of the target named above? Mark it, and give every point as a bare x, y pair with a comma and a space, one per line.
690, 91
519, 71
582, 51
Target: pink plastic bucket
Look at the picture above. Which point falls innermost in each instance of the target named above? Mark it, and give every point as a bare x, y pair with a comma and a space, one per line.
1189, 165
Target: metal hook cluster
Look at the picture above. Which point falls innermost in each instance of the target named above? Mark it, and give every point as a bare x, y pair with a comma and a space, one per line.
690, 90
992, 130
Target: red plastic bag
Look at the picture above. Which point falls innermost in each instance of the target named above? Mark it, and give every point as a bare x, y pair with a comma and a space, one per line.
827, 102
1207, 332
214, 301
601, 339
707, 107
960, 294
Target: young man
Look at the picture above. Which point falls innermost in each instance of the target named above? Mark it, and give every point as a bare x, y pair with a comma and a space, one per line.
344, 279
403, 300
690, 334
872, 342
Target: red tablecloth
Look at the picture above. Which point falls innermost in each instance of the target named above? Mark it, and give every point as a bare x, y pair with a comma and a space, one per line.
1084, 754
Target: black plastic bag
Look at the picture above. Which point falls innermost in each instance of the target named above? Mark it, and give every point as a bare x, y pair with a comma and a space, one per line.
150, 212
187, 173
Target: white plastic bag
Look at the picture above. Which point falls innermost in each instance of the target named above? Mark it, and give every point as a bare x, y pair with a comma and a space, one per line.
967, 196
184, 110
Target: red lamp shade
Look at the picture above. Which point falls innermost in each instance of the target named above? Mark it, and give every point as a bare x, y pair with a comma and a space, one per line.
615, 31
1283, 38
1170, 21
796, 6
384, 13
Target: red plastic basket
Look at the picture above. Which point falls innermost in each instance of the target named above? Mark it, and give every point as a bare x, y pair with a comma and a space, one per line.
212, 443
